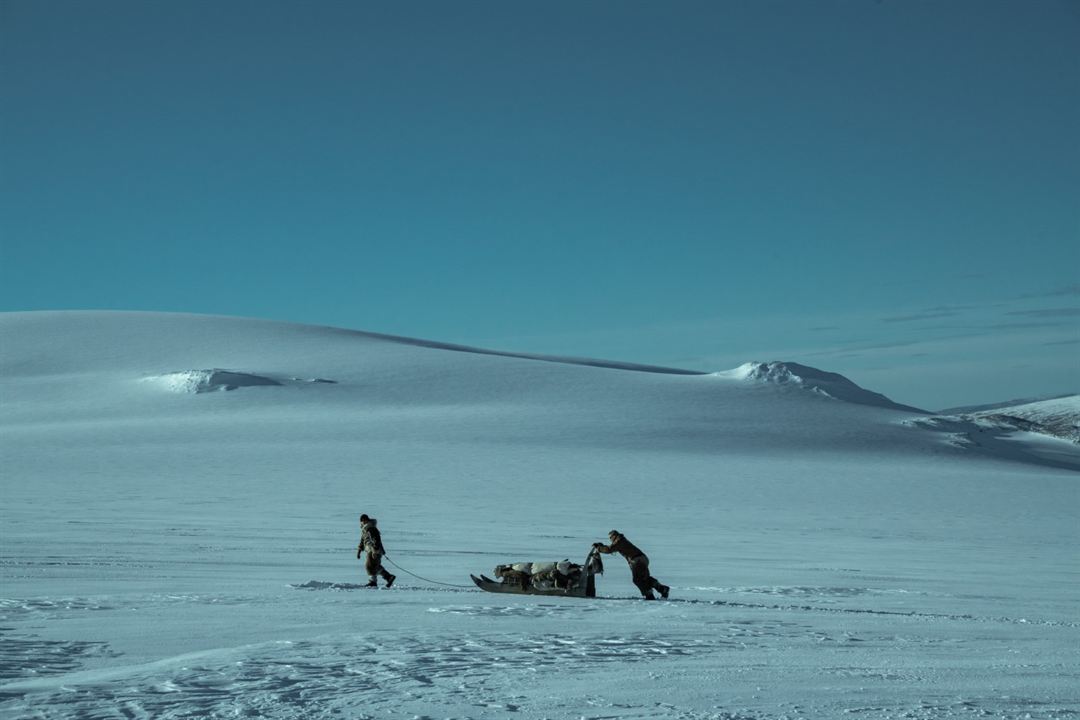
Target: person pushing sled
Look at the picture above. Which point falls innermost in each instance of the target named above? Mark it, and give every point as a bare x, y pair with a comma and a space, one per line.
639, 564
567, 579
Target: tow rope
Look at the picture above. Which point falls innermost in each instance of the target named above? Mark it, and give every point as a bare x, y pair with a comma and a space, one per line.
418, 577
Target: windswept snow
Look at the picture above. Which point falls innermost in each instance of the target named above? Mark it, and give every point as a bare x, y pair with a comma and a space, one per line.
176, 557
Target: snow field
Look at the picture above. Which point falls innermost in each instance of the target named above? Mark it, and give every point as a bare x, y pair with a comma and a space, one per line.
179, 555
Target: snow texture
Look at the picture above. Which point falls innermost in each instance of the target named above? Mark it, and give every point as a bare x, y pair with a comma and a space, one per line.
173, 550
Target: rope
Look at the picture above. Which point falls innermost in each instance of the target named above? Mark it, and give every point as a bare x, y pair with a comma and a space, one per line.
433, 582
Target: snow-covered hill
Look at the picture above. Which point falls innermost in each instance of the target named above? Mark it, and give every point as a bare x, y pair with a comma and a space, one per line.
827, 384
179, 510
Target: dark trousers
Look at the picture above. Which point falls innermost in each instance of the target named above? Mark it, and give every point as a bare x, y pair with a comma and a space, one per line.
373, 565
639, 571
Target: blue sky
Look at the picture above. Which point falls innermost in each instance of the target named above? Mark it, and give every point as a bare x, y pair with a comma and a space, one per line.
890, 190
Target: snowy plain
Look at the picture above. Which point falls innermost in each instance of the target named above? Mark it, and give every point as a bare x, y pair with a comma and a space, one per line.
179, 510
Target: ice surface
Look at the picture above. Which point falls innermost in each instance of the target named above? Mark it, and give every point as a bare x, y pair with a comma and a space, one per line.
170, 555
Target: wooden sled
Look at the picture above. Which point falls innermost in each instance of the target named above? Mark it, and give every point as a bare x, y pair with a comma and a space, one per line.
583, 586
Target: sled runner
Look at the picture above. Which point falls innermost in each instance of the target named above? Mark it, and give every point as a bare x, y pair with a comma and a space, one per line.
564, 579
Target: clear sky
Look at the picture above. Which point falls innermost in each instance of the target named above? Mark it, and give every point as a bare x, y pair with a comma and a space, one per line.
886, 189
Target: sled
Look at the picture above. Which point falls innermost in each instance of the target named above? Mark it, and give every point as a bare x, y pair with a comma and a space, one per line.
580, 584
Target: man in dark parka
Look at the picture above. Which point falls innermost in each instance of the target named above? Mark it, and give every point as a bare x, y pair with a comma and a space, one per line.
371, 543
639, 564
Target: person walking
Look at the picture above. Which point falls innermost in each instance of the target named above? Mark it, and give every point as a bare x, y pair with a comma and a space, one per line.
371, 543
639, 564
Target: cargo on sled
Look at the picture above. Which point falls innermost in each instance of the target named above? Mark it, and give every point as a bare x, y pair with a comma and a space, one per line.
545, 578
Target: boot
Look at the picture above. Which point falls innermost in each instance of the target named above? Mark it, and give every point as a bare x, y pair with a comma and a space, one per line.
664, 590
371, 582
650, 596
391, 578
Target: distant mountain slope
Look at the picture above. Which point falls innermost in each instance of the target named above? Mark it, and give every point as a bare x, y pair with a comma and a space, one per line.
1000, 432
969, 409
162, 380
1059, 417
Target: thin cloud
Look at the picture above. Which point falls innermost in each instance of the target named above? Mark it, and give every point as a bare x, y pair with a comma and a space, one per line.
1047, 312
1027, 325
853, 350
1063, 342
1067, 291
823, 328
951, 308
979, 330
919, 316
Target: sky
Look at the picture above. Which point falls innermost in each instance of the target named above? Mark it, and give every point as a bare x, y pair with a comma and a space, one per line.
889, 190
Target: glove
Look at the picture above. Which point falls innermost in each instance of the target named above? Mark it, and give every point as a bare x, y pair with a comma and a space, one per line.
359, 551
